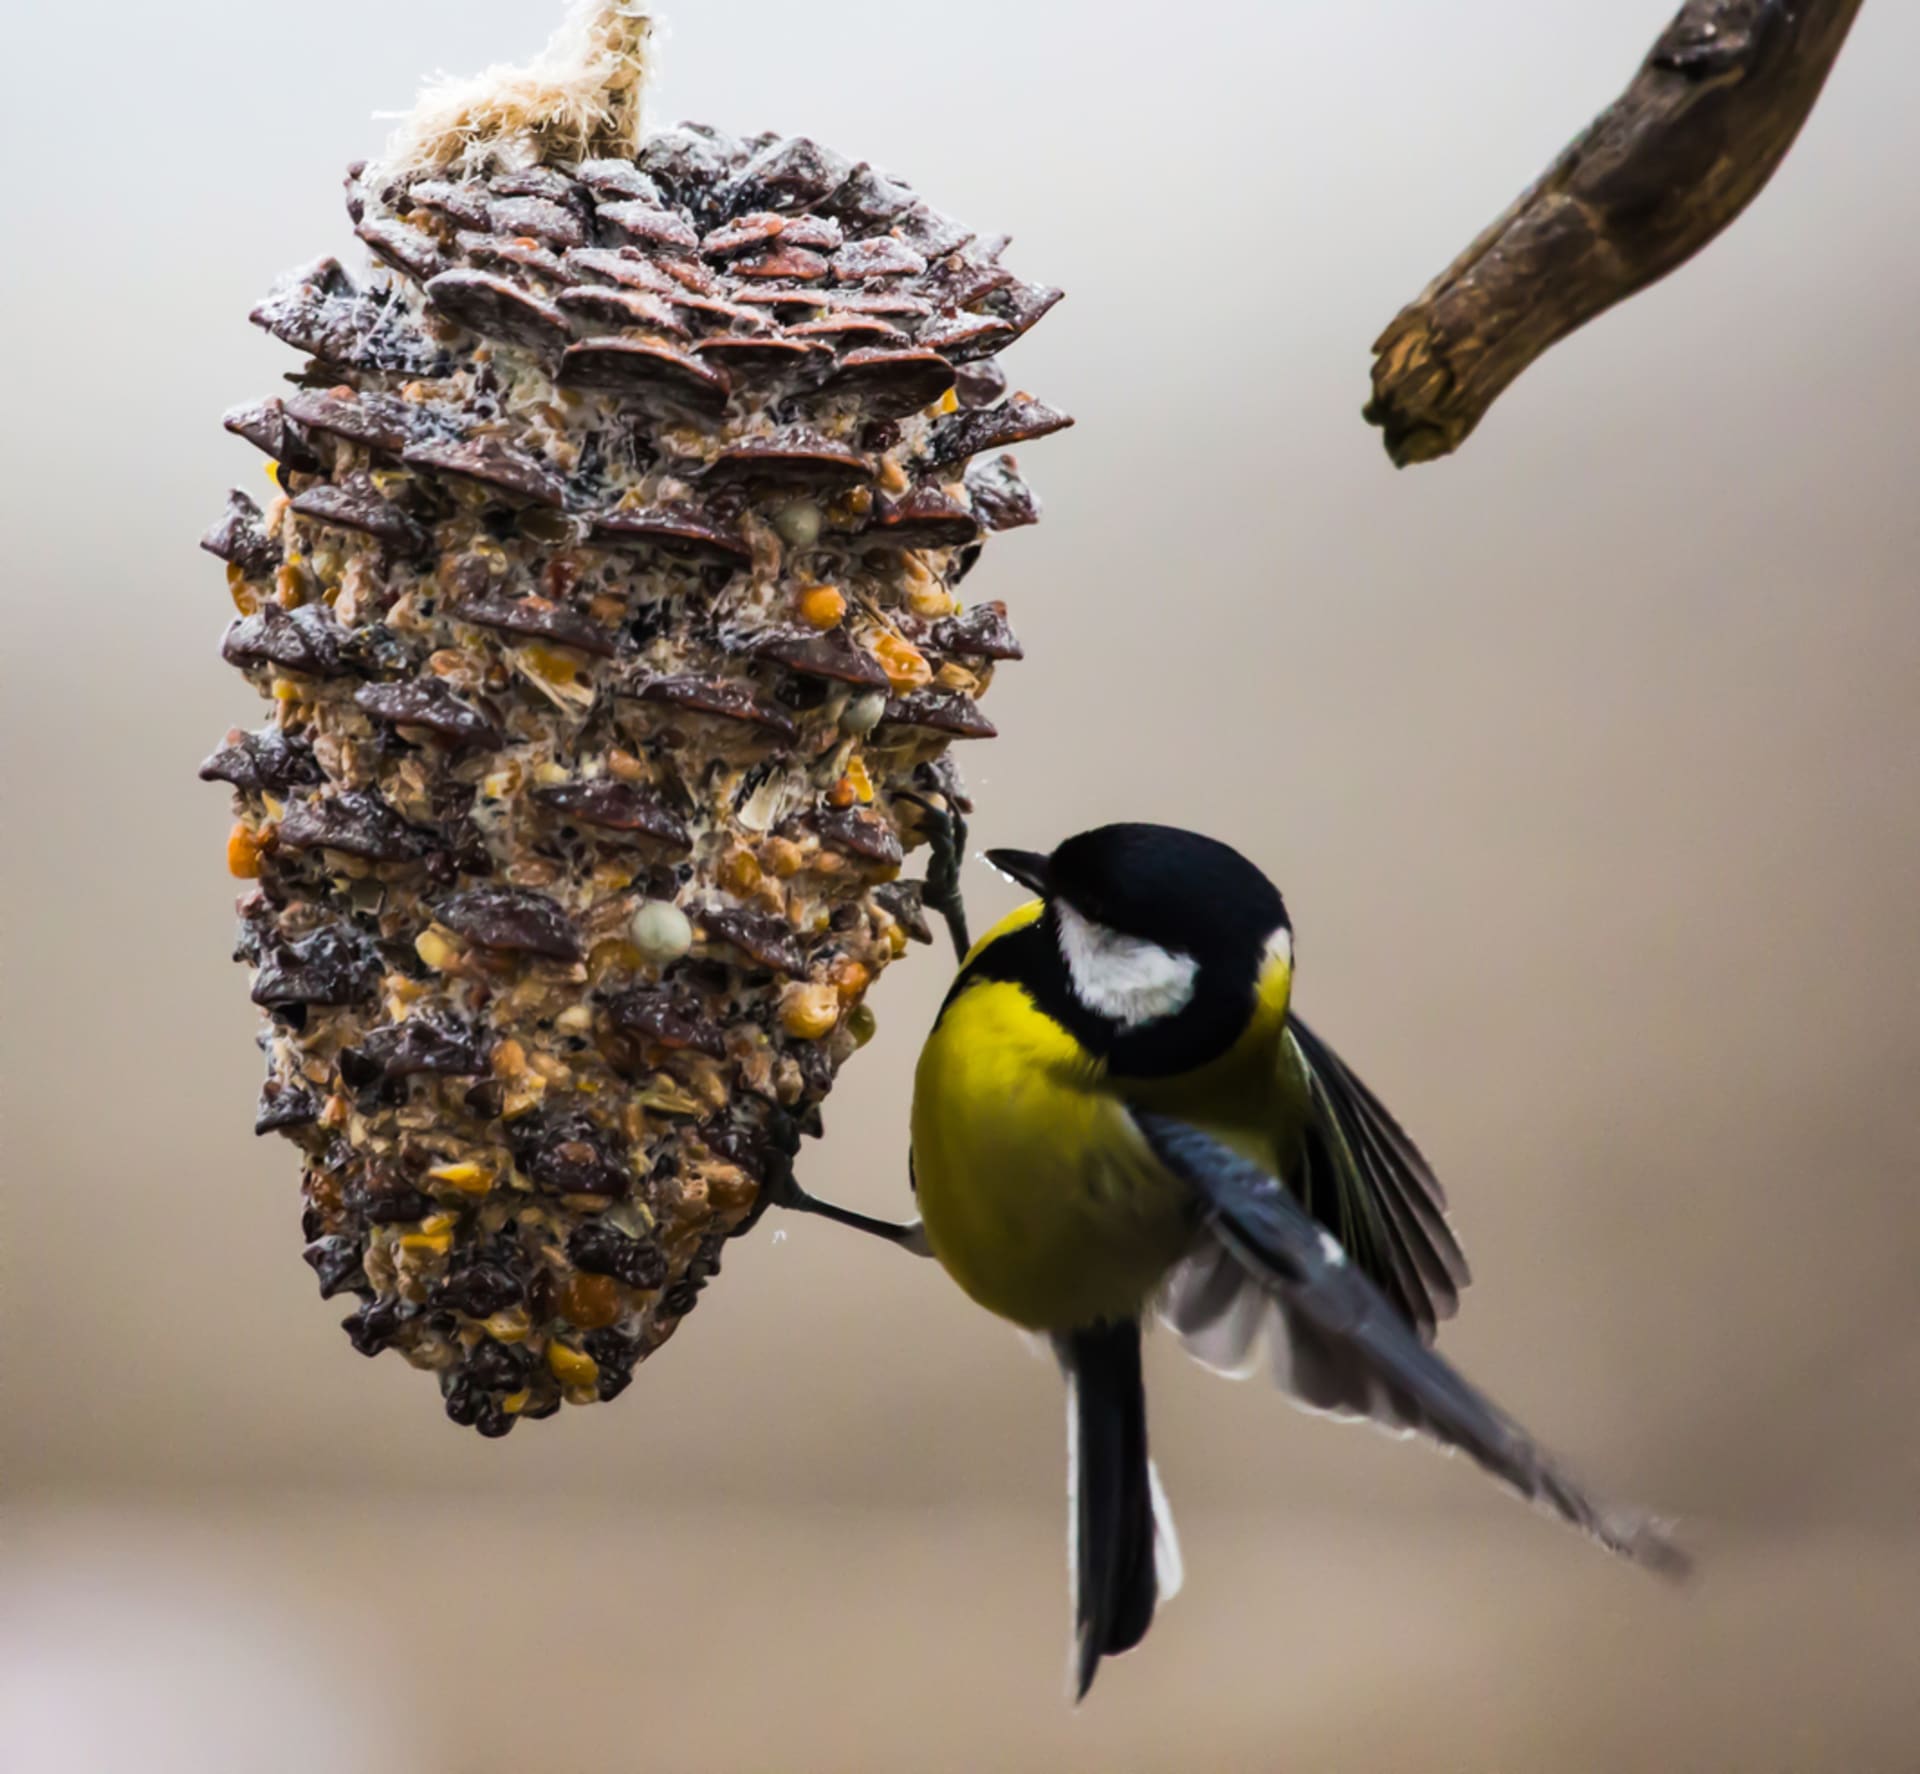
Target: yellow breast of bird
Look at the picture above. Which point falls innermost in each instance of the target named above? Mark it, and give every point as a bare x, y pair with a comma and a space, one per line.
1038, 1195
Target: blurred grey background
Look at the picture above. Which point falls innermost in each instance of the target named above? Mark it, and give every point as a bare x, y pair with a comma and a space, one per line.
1588, 764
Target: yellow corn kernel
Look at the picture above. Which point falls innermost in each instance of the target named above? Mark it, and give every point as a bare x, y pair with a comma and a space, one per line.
897, 939
906, 667
612, 956
245, 599
467, 1177
821, 606
510, 1326
275, 809
742, 873
509, 1059
784, 857
555, 667
285, 690
402, 995
862, 782
501, 783
523, 1097
931, 599
438, 1222
571, 1367
434, 949
434, 1243
849, 978
948, 402
515, 1402
589, 1302
662, 1093
809, 1011
243, 853
273, 471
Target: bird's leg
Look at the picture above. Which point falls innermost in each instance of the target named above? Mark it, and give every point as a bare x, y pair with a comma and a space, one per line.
911, 1237
947, 837
947, 830
947, 845
783, 1190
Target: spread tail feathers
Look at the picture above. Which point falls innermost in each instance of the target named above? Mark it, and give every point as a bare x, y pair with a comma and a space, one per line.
1119, 1516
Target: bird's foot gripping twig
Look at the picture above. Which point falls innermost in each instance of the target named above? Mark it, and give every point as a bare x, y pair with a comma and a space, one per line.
781, 1188
946, 824
908, 1235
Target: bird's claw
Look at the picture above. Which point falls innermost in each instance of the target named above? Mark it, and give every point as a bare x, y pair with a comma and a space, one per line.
947, 849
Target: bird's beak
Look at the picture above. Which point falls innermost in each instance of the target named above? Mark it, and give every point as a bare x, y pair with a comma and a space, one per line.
1023, 866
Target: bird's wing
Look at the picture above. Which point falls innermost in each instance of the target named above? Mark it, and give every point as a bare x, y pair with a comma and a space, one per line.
1349, 1341
1364, 1180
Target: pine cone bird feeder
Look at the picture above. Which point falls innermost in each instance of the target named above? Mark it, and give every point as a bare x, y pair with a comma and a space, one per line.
607, 607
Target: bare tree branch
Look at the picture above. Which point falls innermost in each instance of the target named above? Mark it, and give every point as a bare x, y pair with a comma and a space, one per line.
1708, 118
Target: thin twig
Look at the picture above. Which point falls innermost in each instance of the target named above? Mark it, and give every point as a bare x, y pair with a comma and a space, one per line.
1685, 149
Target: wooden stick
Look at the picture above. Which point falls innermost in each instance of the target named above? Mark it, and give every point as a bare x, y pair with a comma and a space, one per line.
1707, 120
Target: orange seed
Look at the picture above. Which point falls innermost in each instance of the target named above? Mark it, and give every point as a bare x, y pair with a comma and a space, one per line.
906, 667
243, 852
821, 606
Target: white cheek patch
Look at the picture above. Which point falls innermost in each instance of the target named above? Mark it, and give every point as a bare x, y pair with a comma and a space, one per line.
1125, 979
1280, 947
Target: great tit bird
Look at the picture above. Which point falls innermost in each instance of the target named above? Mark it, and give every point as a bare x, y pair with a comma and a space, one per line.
1119, 1114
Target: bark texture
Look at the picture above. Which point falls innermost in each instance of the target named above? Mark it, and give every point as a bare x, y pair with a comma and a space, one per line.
1691, 142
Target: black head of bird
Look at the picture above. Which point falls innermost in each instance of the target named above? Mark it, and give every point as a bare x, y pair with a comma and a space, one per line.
1154, 942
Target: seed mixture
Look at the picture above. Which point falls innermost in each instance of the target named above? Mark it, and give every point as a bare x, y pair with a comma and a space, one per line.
607, 607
